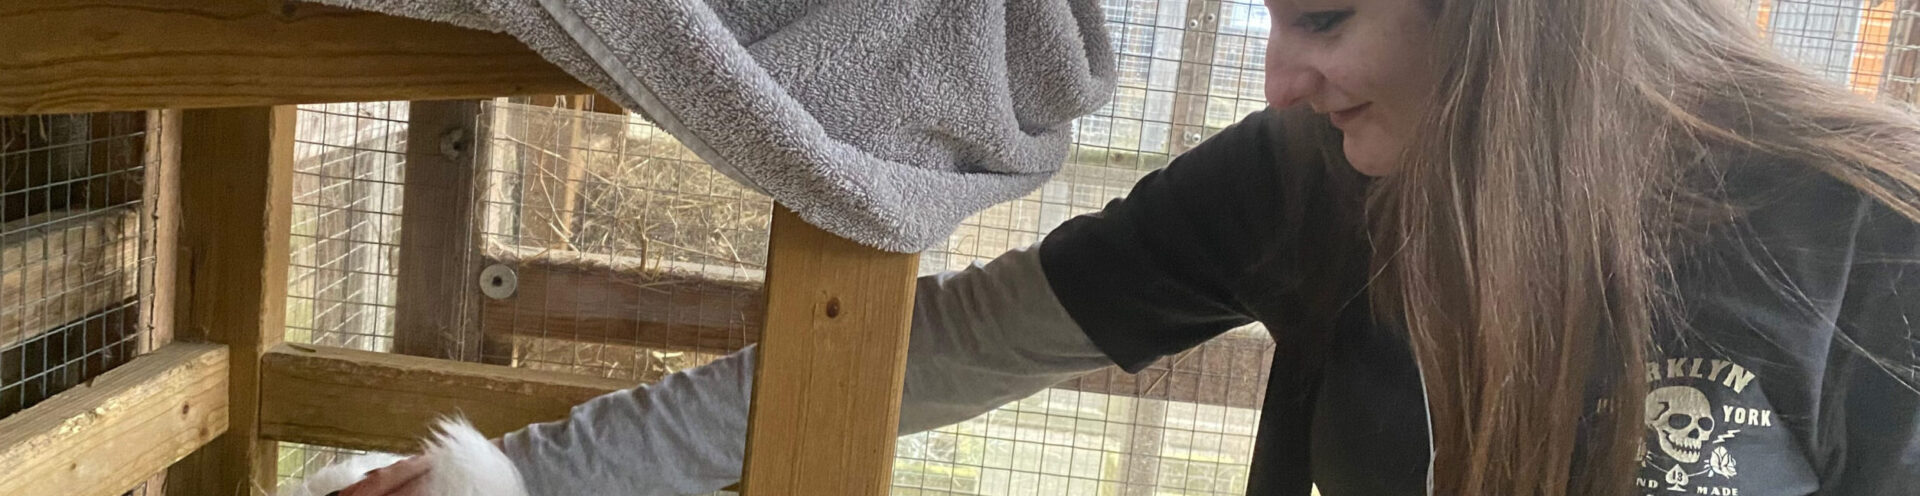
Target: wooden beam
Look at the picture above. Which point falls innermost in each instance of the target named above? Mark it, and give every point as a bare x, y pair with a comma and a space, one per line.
1194, 78
1902, 83
160, 206
592, 304
435, 299
236, 176
92, 55
59, 267
133, 421
382, 401
826, 395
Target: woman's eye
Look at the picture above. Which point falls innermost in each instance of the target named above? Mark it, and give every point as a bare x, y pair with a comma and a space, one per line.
1323, 21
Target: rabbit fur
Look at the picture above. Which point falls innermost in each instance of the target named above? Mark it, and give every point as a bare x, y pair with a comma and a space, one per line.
463, 463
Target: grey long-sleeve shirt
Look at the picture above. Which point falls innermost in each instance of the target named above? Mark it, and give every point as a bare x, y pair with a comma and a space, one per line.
981, 337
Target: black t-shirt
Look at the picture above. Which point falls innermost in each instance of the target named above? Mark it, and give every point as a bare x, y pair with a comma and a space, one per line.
1762, 390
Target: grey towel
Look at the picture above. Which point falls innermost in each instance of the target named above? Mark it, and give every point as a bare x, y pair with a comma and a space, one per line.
886, 122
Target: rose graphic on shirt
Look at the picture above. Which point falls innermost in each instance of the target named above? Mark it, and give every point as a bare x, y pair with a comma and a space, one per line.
1722, 462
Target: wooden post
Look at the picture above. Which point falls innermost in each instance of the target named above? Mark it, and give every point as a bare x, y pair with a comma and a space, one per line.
160, 207
1902, 82
826, 395
1196, 72
434, 300
236, 168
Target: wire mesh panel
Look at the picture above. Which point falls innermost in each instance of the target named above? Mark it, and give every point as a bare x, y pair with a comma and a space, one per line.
75, 251
630, 257
348, 168
298, 460
1184, 426
1868, 45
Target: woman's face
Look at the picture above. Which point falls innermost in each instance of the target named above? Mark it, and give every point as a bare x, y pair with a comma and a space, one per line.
1364, 63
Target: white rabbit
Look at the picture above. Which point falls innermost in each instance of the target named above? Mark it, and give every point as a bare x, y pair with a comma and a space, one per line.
463, 463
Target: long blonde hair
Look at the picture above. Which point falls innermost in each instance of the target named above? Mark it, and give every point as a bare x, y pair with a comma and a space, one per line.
1525, 244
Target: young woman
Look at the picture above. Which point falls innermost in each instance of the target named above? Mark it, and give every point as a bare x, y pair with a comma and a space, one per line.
1505, 247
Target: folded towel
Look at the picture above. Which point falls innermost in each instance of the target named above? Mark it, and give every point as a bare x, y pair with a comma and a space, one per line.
886, 122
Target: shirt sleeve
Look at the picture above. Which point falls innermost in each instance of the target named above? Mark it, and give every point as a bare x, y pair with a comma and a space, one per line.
1156, 273
981, 337
1873, 407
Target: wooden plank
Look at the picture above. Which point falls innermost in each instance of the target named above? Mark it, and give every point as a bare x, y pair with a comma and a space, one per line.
826, 395
382, 401
589, 301
436, 296
638, 308
236, 168
601, 104
1192, 82
599, 304
1902, 83
160, 206
59, 267
93, 55
131, 422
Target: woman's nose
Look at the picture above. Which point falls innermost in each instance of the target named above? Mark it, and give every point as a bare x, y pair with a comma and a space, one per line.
1288, 85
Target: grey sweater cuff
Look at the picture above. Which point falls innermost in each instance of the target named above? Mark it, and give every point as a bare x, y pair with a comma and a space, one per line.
981, 337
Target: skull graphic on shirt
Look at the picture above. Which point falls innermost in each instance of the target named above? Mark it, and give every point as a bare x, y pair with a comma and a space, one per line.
1683, 418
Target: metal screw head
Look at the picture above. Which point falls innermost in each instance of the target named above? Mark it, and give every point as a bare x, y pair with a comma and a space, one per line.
498, 281
453, 144
1193, 137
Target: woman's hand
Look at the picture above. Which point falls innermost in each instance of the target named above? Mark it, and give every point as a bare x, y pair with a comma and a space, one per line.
403, 478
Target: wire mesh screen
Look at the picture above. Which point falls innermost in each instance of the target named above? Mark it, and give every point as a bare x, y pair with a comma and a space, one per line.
1868, 45
348, 166
1184, 426
630, 257
296, 460
75, 251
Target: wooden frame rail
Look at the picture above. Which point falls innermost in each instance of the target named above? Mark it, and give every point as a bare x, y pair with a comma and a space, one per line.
385, 401
133, 421
93, 55
601, 305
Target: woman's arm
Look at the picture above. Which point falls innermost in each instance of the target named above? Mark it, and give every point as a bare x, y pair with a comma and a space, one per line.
1147, 276
981, 337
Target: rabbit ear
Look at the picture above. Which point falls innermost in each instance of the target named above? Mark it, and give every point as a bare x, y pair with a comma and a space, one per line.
465, 463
